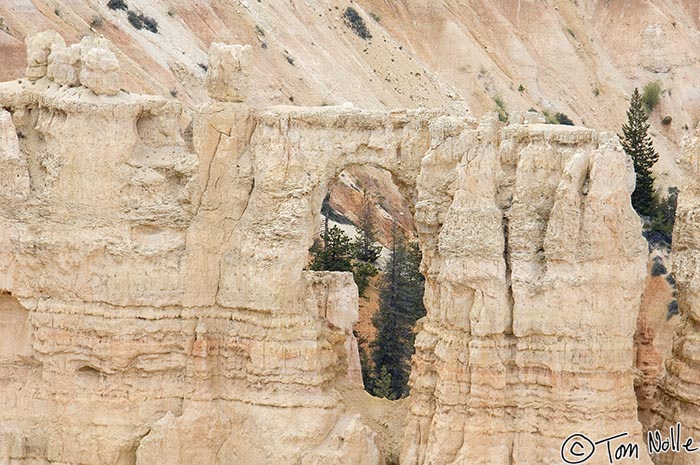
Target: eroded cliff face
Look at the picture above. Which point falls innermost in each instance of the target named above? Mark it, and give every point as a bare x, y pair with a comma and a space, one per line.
679, 391
156, 307
534, 264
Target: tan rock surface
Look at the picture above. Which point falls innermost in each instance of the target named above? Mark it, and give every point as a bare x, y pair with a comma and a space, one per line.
228, 74
679, 393
534, 262
162, 284
582, 58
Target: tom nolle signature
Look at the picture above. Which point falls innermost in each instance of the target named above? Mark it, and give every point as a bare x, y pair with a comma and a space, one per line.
579, 448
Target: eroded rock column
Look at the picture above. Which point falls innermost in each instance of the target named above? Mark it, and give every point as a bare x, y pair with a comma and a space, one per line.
534, 262
679, 391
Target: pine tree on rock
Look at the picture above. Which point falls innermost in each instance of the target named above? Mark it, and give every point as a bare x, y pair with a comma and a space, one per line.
366, 249
401, 304
638, 145
334, 254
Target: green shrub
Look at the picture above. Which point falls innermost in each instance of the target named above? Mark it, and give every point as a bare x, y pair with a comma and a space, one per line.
521, 88
140, 21
355, 22
671, 280
666, 120
651, 95
549, 119
563, 119
117, 5
658, 268
362, 272
672, 309
501, 109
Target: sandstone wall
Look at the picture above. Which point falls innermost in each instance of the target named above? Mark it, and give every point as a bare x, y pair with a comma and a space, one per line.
130, 334
157, 309
678, 396
534, 263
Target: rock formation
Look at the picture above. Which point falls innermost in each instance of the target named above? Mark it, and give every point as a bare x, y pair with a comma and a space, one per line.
158, 309
679, 391
534, 263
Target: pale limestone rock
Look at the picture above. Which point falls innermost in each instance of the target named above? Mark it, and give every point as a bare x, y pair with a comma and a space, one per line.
64, 66
228, 74
39, 46
678, 396
351, 443
165, 297
336, 297
517, 352
195, 437
14, 182
13, 444
100, 70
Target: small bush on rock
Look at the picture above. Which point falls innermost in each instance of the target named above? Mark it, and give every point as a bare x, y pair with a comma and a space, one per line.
117, 5
355, 22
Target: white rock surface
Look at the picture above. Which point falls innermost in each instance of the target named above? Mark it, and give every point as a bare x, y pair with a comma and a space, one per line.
678, 396
39, 46
228, 74
162, 286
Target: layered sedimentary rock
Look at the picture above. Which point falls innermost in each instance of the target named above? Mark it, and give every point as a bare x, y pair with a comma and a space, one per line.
534, 263
122, 341
679, 391
156, 306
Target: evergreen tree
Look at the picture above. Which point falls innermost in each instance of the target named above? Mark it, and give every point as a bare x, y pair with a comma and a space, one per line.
383, 386
334, 253
366, 249
401, 304
362, 273
638, 145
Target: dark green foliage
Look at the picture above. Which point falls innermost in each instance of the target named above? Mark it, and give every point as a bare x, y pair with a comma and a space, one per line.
651, 95
117, 5
638, 146
549, 119
672, 309
135, 20
666, 120
355, 22
140, 21
401, 305
392, 459
563, 119
362, 272
521, 88
366, 247
150, 24
501, 109
671, 280
334, 253
337, 252
365, 362
664, 213
382, 385
658, 268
